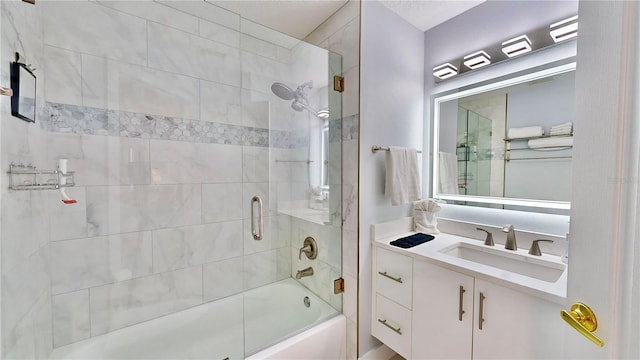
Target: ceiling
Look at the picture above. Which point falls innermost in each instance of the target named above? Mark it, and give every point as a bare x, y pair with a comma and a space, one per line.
298, 18
425, 14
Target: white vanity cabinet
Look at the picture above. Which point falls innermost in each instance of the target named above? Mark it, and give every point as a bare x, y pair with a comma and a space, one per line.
458, 316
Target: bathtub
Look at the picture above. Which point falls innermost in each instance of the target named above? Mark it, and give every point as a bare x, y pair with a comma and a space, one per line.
261, 320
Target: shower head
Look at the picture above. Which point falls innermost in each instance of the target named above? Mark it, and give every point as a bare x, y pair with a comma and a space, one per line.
283, 91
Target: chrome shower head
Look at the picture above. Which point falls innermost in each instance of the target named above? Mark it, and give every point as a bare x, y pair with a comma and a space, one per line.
283, 91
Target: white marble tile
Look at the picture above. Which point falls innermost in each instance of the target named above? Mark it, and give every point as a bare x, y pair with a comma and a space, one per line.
121, 209
175, 162
350, 207
67, 221
196, 245
42, 326
62, 76
255, 109
321, 282
351, 94
21, 289
84, 263
260, 269
264, 33
220, 103
350, 252
222, 202
24, 226
259, 47
126, 303
352, 339
21, 345
219, 33
222, 278
252, 245
156, 12
255, 164
340, 18
93, 29
258, 72
119, 86
350, 304
345, 42
176, 51
283, 266
281, 231
102, 160
71, 320
207, 11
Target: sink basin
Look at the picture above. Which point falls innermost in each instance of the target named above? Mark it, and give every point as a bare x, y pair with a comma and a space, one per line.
506, 260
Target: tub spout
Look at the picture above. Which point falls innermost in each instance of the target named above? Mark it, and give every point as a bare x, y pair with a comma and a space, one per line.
304, 272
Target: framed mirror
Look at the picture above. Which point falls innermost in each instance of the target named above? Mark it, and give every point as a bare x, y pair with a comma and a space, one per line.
507, 144
23, 84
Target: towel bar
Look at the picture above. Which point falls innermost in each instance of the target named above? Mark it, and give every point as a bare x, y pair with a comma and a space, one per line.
376, 148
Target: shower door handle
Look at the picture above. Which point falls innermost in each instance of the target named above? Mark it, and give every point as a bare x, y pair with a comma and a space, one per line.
257, 235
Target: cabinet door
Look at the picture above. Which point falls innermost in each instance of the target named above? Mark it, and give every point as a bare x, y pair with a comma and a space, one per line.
516, 325
442, 313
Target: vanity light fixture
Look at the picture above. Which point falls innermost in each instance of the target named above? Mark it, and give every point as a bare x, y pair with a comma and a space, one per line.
445, 71
564, 30
516, 46
477, 60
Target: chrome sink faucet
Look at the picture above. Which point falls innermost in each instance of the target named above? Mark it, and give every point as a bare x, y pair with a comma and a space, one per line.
511, 238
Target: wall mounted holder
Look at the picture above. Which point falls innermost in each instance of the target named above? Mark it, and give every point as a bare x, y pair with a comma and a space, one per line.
23, 87
27, 177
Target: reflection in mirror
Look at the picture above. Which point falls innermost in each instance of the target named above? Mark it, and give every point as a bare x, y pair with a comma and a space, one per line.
508, 144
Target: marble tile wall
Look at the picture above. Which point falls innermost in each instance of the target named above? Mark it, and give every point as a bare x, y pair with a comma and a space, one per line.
24, 227
152, 233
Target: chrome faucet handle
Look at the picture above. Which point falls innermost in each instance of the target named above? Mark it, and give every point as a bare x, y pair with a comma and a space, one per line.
489, 239
535, 248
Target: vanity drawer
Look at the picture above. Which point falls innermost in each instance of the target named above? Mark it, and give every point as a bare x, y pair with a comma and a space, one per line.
392, 325
394, 276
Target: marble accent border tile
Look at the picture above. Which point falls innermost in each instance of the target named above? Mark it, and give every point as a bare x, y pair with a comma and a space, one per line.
76, 119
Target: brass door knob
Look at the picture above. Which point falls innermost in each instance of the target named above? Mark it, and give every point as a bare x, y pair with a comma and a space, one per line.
582, 318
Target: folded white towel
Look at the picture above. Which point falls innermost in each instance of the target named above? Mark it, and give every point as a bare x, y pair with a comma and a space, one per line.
424, 216
563, 126
551, 142
525, 132
402, 183
447, 173
566, 131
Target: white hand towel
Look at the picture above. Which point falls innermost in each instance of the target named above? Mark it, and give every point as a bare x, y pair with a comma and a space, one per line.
525, 132
447, 173
402, 183
424, 216
562, 126
551, 142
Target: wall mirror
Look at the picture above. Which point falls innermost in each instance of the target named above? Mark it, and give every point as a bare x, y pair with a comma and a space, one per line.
507, 144
23, 100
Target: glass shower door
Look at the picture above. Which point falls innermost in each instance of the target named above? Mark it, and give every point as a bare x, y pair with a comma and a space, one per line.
291, 262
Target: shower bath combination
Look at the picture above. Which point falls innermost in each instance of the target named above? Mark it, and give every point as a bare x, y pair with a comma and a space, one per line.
299, 97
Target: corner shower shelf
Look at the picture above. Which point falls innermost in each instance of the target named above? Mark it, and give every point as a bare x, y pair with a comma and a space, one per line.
27, 177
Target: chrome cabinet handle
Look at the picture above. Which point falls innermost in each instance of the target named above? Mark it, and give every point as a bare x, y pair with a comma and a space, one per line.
399, 279
460, 311
384, 322
257, 235
481, 312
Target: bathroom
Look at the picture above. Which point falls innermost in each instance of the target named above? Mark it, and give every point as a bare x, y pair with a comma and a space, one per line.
116, 80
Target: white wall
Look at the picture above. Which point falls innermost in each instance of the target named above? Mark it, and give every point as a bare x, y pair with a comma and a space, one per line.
392, 74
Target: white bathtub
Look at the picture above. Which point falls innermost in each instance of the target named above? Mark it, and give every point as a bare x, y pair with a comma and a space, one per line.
255, 320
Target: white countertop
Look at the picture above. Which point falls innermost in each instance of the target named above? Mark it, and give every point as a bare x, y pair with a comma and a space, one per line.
430, 252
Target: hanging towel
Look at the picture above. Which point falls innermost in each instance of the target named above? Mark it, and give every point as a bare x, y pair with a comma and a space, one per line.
402, 183
562, 129
525, 132
447, 173
551, 142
